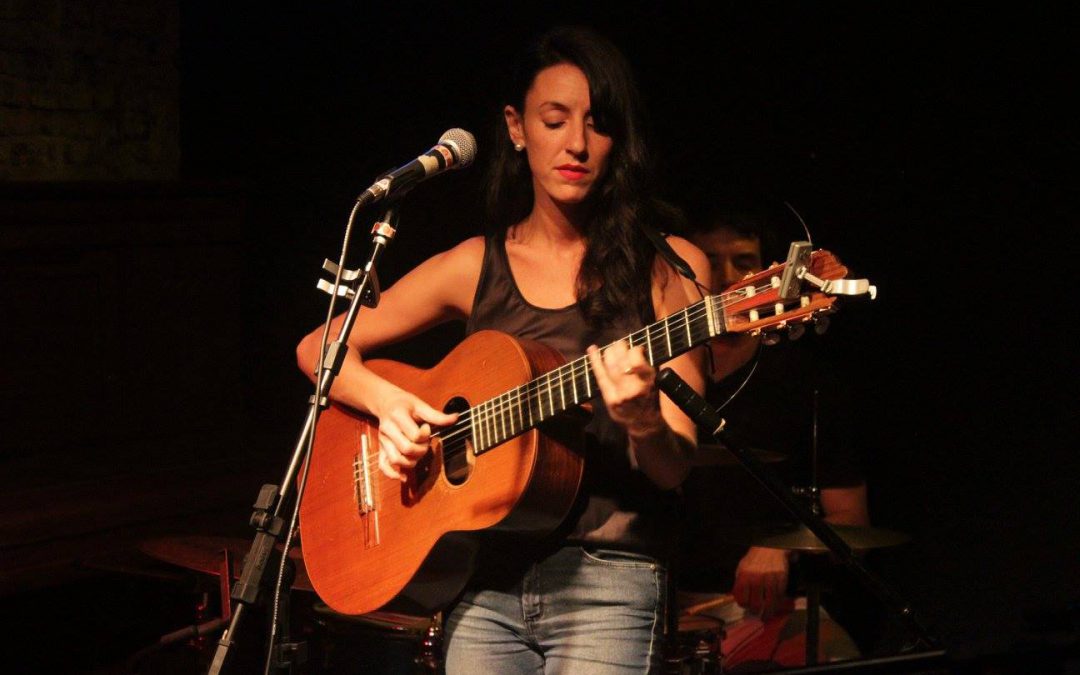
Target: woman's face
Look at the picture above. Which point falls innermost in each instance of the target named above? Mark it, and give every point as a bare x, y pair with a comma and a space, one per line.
566, 154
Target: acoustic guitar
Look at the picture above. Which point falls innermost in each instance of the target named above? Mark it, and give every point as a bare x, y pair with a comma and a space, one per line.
507, 465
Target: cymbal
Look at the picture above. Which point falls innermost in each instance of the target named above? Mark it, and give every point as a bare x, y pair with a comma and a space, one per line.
716, 454
205, 554
855, 536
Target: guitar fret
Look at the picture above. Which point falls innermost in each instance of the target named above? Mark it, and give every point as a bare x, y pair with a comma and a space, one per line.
478, 427
709, 318
486, 418
562, 392
474, 427
704, 332
667, 335
510, 418
521, 413
490, 425
686, 318
648, 345
478, 435
573, 380
481, 422
588, 382
540, 414
502, 423
507, 416
551, 395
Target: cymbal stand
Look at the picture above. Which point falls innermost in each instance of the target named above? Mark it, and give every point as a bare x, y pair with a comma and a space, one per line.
361, 287
812, 578
706, 417
198, 632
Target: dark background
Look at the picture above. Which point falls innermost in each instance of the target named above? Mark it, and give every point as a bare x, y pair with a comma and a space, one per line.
927, 145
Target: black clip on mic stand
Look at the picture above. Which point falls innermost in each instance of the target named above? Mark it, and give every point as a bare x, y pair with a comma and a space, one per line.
706, 417
362, 288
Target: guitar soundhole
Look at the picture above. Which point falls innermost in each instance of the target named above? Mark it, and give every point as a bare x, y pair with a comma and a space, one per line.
458, 456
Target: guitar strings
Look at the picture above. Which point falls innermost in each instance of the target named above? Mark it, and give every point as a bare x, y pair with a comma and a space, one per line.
455, 437
495, 409
567, 373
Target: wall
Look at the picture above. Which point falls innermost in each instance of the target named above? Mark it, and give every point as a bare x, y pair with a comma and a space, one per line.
89, 90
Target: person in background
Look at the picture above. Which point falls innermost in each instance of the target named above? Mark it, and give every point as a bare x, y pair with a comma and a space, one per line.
790, 388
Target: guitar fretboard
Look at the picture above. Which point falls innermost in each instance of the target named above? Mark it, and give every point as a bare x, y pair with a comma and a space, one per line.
501, 418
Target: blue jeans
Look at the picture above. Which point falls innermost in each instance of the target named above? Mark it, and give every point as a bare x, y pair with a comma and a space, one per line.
589, 612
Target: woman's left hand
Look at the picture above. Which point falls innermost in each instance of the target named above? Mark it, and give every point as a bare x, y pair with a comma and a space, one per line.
628, 384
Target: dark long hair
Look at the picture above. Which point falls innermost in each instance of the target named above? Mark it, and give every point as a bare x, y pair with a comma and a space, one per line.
616, 270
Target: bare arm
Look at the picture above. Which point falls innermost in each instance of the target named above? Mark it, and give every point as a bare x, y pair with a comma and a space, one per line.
662, 437
762, 574
845, 505
436, 291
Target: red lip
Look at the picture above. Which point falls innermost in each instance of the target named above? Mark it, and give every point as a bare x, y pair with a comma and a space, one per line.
572, 171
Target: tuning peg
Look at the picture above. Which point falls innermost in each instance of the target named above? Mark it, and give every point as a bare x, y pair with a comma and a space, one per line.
796, 331
821, 324
770, 339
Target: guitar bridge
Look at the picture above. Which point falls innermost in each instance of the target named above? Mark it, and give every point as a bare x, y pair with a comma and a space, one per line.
363, 489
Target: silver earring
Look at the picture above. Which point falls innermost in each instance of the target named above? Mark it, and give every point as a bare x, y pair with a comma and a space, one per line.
519, 146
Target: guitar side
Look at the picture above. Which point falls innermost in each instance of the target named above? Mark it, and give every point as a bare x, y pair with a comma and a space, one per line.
371, 542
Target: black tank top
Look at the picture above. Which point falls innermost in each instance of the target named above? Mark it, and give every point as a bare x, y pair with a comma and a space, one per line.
619, 507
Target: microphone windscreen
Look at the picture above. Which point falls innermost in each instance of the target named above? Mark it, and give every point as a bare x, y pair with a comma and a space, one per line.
462, 143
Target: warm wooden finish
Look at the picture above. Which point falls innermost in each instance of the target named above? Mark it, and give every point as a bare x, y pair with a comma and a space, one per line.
372, 542
359, 563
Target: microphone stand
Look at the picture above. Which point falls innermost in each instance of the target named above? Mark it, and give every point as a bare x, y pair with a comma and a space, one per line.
706, 417
362, 289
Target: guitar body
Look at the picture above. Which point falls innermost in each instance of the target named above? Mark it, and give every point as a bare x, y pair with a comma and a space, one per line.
371, 542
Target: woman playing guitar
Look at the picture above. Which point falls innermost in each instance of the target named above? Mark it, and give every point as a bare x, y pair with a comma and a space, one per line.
566, 264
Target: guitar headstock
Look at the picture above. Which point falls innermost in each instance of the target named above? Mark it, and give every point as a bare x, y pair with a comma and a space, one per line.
754, 305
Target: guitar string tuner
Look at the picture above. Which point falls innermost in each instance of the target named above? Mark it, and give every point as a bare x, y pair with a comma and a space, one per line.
771, 339
796, 331
821, 324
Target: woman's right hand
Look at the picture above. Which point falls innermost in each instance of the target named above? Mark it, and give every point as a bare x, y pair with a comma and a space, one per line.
405, 431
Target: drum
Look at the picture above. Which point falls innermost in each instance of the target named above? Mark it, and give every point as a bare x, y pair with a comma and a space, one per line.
380, 643
696, 647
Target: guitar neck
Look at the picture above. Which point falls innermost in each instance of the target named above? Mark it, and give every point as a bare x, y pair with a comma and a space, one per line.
522, 408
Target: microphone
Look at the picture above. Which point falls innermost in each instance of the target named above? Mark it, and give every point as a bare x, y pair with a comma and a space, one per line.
456, 149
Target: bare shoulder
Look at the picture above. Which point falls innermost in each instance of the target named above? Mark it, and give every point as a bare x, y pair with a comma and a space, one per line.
449, 278
693, 255
671, 290
467, 254
460, 260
